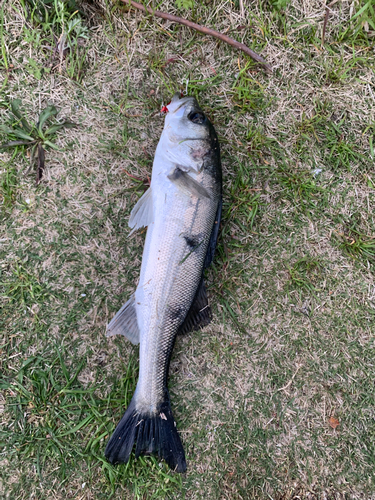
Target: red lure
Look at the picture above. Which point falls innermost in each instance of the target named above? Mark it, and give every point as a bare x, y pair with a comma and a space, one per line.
164, 109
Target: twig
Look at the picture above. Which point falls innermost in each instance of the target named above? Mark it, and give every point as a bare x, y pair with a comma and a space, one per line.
328, 8
146, 182
204, 30
325, 24
290, 381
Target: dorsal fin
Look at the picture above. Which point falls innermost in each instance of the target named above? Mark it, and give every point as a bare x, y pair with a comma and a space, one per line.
214, 235
199, 314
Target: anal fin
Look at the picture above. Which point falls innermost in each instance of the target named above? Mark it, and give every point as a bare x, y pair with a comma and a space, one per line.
199, 314
125, 322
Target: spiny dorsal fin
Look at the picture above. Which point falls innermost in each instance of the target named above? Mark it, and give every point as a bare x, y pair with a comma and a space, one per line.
143, 212
125, 322
214, 235
187, 184
199, 314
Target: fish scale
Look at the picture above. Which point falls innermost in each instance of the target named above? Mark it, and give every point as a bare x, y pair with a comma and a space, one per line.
179, 285
182, 212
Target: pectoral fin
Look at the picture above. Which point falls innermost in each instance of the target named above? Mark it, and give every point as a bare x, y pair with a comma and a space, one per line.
143, 212
125, 322
187, 184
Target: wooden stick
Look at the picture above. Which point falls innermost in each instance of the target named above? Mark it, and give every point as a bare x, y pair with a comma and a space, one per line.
202, 29
328, 8
325, 25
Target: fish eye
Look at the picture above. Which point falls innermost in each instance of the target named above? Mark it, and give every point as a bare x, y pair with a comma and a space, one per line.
197, 117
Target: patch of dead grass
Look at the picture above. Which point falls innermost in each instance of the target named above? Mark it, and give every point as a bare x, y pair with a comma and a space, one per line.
251, 403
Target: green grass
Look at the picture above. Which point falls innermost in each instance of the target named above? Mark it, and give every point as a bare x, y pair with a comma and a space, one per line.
306, 274
299, 187
8, 186
36, 136
292, 283
359, 246
248, 93
55, 419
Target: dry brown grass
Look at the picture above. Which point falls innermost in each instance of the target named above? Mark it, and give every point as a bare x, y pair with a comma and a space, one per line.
252, 398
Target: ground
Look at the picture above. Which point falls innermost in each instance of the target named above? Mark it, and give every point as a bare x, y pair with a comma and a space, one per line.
275, 398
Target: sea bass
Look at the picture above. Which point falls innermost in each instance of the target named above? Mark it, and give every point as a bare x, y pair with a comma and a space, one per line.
182, 210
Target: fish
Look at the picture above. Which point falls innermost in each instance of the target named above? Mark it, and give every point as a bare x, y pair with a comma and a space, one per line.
182, 211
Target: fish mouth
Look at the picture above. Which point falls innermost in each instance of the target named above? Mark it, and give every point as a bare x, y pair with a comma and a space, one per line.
178, 102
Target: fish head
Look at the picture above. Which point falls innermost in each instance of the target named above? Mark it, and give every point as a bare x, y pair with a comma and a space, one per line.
187, 133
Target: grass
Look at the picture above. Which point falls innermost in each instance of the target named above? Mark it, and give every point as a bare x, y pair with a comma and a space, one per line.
8, 186
357, 244
290, 348
305, 274
61, 420
38, 136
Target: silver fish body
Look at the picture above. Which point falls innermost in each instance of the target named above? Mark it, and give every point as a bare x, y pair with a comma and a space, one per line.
182, 211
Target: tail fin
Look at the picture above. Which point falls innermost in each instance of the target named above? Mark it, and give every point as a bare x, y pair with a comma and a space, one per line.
152, 433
